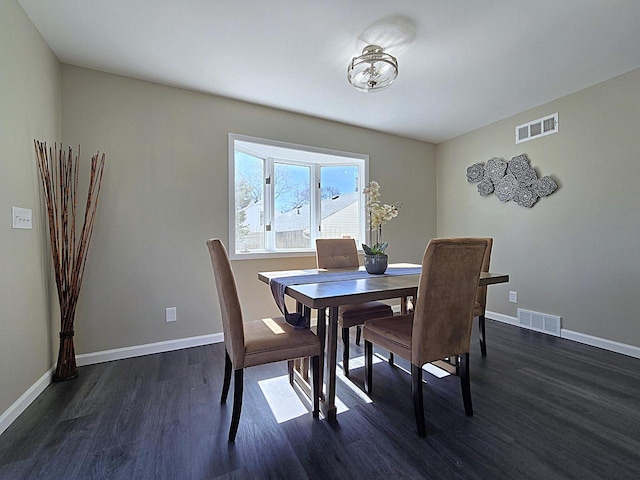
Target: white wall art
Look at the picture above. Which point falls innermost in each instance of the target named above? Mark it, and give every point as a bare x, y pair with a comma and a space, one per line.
514, 180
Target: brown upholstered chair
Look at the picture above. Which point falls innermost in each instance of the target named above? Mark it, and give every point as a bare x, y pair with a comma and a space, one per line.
256, 342
440, 325
481, 299
334, 253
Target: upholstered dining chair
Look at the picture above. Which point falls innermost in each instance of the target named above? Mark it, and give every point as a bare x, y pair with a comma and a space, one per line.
440, 325
481, 300
334, 253
257, 342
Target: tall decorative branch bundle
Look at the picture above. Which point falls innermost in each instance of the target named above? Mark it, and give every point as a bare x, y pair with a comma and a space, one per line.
59, 175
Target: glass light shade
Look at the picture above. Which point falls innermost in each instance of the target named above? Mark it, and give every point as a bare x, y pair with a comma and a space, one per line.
372, 70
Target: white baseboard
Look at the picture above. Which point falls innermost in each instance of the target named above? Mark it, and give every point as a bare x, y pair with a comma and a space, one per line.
147, 349
20, 405
502, 318
623, 348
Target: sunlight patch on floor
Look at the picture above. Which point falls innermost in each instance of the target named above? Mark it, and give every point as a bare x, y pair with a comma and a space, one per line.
340, 406
435, 371
355, 362
358, 362
428, 367
283, 401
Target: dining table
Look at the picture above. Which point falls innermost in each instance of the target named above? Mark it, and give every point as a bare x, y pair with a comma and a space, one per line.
326, 290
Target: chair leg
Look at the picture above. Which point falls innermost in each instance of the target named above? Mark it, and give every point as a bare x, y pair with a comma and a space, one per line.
483, 342
304, 368
368, 367
418, 403
290, 367
315, 373
345, 351
227, 377
358, 334
465, 384
238, 385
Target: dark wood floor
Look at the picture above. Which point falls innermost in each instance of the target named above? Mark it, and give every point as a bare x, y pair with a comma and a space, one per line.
545, 408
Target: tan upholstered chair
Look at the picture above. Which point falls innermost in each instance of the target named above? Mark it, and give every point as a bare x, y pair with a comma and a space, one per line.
256, 342
334, 253
440, 325
481, 299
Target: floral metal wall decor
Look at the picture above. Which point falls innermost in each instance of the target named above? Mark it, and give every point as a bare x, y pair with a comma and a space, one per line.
514, 180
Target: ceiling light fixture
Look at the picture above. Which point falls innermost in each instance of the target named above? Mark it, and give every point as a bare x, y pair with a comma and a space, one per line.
373, 70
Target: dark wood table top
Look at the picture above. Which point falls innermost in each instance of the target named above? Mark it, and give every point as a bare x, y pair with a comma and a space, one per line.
367, 288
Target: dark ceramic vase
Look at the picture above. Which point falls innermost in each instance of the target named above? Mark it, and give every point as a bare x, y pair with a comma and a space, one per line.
376, 264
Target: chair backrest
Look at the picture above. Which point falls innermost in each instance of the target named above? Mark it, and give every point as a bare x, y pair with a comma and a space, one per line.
446, 294
481, 294
232, 323
337, 253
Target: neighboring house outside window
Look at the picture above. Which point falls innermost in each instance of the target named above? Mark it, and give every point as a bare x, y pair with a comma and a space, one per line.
285, 196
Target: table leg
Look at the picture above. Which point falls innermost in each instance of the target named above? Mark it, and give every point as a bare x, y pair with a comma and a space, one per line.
299, 368
297, 363
404, 304
321, 331
304, 362
332, 350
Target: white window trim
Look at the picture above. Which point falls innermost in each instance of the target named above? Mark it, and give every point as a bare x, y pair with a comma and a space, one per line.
232, 138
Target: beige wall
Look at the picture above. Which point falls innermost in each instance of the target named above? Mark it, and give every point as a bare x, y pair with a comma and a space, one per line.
575, 253
29, 108
165, 192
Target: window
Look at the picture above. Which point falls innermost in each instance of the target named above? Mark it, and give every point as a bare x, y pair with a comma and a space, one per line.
284, 196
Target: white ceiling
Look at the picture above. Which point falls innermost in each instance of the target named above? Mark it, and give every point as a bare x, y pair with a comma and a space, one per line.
463, 63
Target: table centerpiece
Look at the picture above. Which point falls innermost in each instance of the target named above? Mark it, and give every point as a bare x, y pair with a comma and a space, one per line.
375, 256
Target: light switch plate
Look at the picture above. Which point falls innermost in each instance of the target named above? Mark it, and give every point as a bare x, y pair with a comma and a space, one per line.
21, 218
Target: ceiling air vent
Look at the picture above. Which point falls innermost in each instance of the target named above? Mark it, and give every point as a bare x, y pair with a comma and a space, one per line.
537, 128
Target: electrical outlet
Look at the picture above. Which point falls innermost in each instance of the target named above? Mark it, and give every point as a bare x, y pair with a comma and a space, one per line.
513, 297
170, 314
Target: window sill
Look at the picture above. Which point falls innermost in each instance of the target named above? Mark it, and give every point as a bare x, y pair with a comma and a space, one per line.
276, 254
